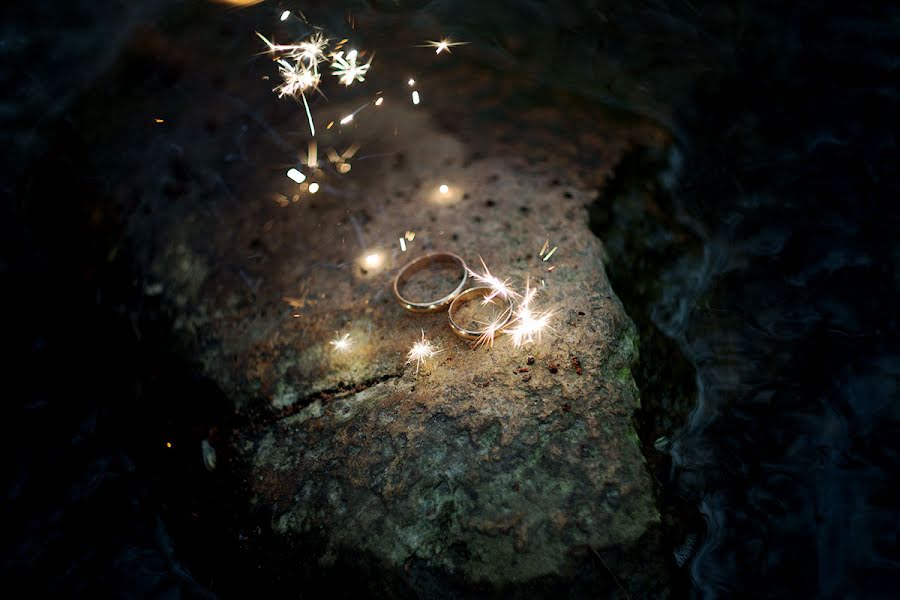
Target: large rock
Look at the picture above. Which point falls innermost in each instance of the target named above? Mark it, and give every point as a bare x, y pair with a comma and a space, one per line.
486, 467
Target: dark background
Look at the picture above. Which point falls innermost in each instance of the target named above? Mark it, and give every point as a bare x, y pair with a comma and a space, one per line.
759, 259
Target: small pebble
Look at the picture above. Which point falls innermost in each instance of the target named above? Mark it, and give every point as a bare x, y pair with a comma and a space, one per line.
530, 360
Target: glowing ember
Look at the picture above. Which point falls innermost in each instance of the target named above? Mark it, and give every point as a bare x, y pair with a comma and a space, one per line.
420, 352
500, 288
296, 176
342, 343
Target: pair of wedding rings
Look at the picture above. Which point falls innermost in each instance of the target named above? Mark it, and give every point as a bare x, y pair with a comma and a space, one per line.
454, 300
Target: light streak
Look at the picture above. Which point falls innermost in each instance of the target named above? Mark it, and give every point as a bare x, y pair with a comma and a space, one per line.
342, 343
285, 15
296, 176
544, 248
402, 245
415, 97
312, 156
346, 119
549, 254
499, 288
380, 101
442, 45
347, 69
420, 352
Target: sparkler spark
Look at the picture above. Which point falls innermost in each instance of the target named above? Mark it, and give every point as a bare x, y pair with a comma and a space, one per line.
491, 329
342, 343
442, 45
347, 69
499, 288
420, 352
298, 65
528, 324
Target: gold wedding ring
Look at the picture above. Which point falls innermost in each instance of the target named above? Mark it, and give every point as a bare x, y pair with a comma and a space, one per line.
491, 328
417, 265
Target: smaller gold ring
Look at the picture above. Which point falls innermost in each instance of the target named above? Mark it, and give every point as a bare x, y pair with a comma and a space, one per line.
476, 334
417, 265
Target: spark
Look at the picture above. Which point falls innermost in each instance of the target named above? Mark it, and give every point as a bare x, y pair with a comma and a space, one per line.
298, 65
499, 288
168, 444
402, 245
313, 188
296, 176
342, 343
160, 120
549, 254
442, 45
544, 248
347, 69
490, 330
415, 97
285, 15
373, 260
528, 324
379, 102
420, 352
411, 82
346, 119
444, 189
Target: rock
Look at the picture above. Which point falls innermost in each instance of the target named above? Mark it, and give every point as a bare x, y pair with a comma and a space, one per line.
477, 469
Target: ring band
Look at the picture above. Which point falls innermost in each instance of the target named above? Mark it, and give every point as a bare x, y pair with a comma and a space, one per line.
477, 334
417, 265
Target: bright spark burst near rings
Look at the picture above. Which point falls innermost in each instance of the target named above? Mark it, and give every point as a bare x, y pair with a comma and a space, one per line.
528, 324
342, 343
500, 289
421, 351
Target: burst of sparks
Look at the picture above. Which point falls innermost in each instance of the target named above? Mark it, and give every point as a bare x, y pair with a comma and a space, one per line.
527, 324
347, 69
420, 352
298, 65
342, 343
442, 45
491, 329
499, 288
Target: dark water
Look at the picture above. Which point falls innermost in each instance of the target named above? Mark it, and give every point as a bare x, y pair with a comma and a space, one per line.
759, 258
